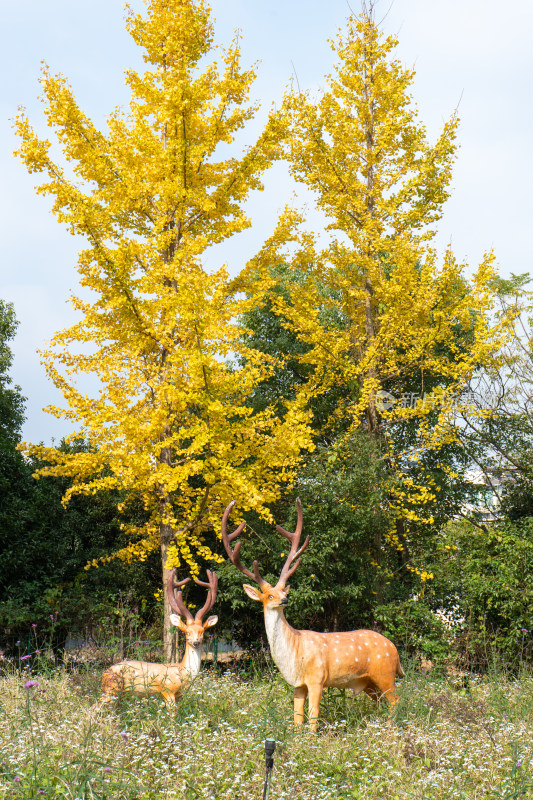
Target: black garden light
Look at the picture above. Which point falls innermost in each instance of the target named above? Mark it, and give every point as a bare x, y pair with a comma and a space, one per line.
270, 746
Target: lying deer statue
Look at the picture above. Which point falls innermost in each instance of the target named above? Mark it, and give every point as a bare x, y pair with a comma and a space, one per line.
358, 660
169, 680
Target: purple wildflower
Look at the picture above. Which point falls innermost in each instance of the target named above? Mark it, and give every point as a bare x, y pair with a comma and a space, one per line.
124, 735
518, 763
31, 684
34, 624
107, 769
24, 658
525, 630
16, 779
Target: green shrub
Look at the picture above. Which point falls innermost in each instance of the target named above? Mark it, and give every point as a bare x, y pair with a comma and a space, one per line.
414, 627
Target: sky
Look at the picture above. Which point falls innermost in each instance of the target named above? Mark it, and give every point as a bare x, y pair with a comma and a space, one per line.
467, 53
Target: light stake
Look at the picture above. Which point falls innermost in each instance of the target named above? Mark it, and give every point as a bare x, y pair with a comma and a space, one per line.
270, 746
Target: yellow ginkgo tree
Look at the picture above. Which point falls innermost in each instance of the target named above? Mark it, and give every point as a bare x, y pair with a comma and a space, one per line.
170, 420
414, 325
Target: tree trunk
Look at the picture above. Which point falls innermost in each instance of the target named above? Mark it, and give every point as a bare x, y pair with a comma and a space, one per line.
378, 558
404, 554
370, 322
169, 633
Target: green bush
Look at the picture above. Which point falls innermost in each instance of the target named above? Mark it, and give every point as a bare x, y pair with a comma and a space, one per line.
414, 627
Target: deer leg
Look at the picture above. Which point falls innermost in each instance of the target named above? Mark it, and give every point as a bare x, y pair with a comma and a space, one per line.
373, 692
103, 700
315, 693
392, 699
169, 699
300, 693
384, 689
95, 708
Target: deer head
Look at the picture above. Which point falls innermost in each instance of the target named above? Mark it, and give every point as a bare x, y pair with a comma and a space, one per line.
193, 627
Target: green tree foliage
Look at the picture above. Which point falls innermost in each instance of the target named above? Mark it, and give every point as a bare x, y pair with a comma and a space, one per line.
484, 583
14, 473
343, 490
267, 330
342, 493
12, 467
45, 548
11, 399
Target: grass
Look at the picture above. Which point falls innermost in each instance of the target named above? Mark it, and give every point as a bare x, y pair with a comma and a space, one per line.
475, 742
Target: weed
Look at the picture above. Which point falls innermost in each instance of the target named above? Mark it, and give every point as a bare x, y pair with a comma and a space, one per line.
441, 744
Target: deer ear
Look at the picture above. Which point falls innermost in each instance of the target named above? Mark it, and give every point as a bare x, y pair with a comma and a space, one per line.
178, 622
210, 621
251, 591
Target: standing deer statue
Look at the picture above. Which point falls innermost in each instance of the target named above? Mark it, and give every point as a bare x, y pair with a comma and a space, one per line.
364, 661
169, 680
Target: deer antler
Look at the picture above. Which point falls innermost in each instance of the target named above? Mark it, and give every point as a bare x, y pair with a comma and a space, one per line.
234, 554
176, 600
212, 583
294, 553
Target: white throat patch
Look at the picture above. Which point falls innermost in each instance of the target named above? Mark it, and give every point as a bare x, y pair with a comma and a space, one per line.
281, 641
193, 660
